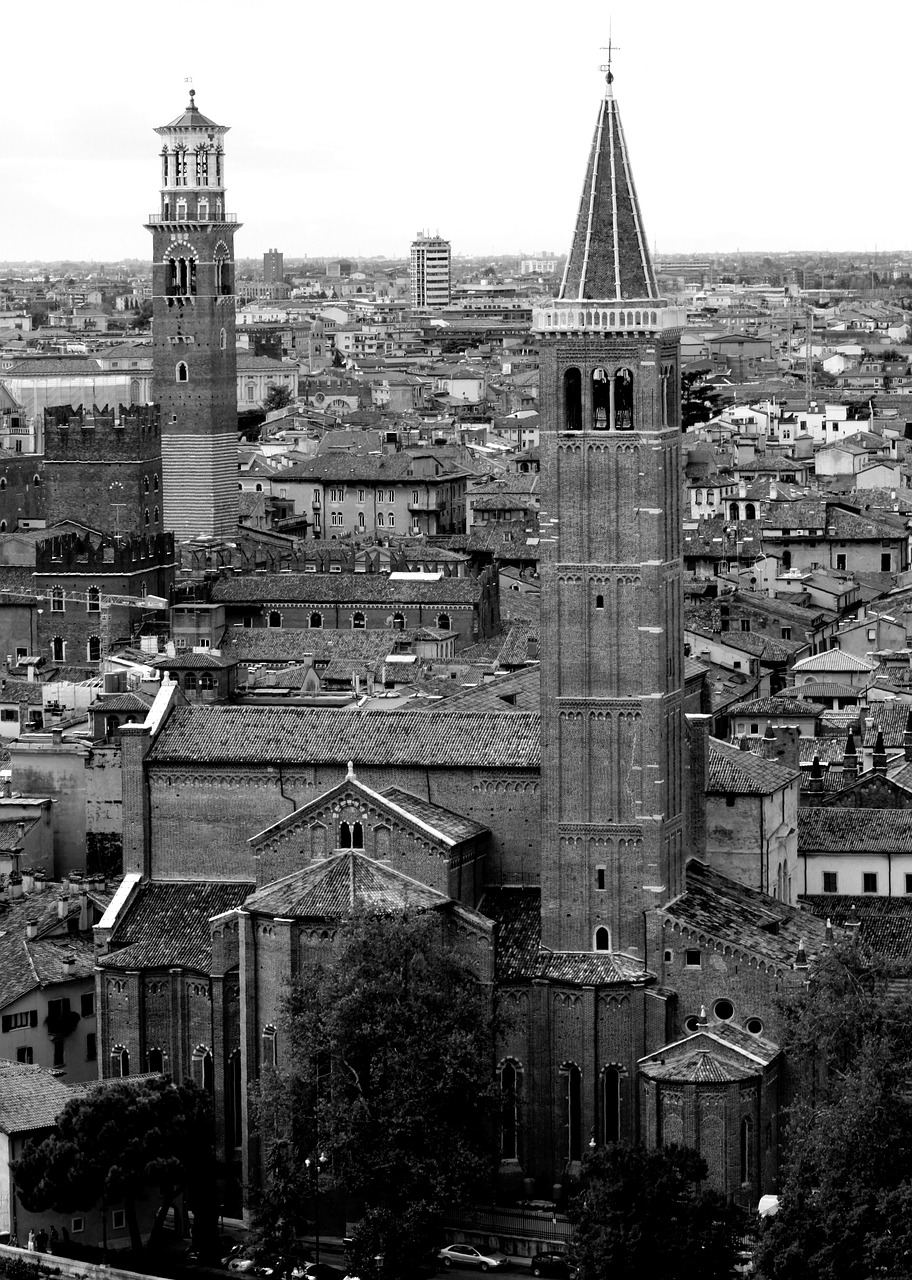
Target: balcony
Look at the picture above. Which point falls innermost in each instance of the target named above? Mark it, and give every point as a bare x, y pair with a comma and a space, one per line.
156, 219
433, 502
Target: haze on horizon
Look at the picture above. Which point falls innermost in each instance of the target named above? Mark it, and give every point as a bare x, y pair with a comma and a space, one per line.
752, 128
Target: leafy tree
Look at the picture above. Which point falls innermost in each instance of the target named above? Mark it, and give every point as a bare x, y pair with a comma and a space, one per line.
700, 401
142, 316
390, 1077
639, 1213
116, 1141
846, 1200
276, 398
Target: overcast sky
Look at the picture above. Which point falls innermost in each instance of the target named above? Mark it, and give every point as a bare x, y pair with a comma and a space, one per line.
775, 125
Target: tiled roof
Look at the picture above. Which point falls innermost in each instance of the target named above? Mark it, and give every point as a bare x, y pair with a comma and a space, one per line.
338, 885
518, 691
780, 706
27, 963
853, 831
13, 831
521, 956
886, 923
834, 660
368, 467
30, 1098
820, 689
829, 749
735, 772
21, 691
122, 702
293, 644
190, 661
722, 910
450, 824
700, 1067
349, 589
273, 735
888, 718
167, 925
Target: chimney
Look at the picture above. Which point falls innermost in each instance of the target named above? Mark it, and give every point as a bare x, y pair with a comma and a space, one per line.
69, 966
63, 907
849, 761
801, 960
814, 786
83, 908
743, 744
879, 761
852, 925
15, 885
28, 882
769, 743
829, 929
31, 928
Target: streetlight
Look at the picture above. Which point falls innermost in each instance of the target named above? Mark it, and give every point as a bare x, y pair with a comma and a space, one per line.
316, 1165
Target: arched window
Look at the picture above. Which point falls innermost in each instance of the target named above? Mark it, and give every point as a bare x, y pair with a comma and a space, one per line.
786, 559
599, 602
345, 835
206, 681
359, 622
2, 482
155, 483
120, 1061
93, 649
316, 621
573, 400
443, 622
145, 484
180, 372
189, 679
2, 526
357, 835
155, 1060
273, 618
201, 1067
510, 1081
733, 511
746, 1154
571, 1086
156, 516
270, 1056
611, 1105
58, 649
601, 400
223, 340
750, 511
381, 519
36, 481
58, 600
602, 939
360, 519
398, 622
623, 400
146, 516
112, 726
93, 600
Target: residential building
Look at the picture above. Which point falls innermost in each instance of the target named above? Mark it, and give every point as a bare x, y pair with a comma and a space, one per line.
273, 267
429, 271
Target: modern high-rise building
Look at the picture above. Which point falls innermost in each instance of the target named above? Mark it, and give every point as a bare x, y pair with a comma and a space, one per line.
194, 377
273, 266
429, 271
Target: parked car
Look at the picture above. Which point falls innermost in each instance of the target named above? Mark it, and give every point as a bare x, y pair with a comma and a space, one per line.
466, 1255
551, 1262
246, 1266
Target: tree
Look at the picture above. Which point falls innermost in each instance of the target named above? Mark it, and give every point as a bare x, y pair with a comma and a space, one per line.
640, 1213
142, 316
116, 1141
700, 401
390, 1077
276, 397
846, 1201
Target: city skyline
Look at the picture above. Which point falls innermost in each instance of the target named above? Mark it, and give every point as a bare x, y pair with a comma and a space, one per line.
399, 122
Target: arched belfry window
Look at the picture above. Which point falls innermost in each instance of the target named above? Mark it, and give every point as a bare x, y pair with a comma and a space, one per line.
601, 400
667, 392
623, 400
573, 400
611, 1104
351, 835
571, 1088
510, 1083
180, 373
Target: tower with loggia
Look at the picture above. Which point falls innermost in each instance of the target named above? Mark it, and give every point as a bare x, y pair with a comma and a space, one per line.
193, 327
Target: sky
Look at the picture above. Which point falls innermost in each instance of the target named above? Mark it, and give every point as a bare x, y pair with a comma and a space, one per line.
771, 126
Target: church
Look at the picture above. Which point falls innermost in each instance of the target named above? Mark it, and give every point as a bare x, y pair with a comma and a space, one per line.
566, 849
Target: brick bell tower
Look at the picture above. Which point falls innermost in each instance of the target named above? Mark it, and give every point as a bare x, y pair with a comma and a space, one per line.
611, 598
194, 377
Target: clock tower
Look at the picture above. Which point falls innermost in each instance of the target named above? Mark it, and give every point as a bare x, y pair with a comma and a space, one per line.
193, 330
611, 591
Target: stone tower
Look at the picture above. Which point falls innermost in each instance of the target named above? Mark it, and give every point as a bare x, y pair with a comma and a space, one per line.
612, 604
195, 362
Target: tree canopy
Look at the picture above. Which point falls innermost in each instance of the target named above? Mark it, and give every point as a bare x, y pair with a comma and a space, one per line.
276, 397
390, 1077
116, 1141
641, 1213
846, 1200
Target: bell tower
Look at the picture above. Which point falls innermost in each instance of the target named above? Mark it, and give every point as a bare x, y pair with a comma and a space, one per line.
611, 593
194, 378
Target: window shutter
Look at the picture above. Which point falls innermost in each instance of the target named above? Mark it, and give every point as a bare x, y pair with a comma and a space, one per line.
7, 1022
33, 1018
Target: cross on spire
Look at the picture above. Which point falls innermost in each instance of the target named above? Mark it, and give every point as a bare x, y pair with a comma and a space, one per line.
610, 48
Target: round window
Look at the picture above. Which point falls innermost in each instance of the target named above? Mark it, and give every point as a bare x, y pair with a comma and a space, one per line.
723, 1009
691, 1024
754, 1026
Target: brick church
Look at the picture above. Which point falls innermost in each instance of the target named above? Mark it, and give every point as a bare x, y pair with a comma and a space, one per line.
567, 849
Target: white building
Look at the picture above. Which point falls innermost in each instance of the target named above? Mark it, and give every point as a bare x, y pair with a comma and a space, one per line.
429, 271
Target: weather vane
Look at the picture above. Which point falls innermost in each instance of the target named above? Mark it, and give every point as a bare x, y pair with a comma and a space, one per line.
610, 48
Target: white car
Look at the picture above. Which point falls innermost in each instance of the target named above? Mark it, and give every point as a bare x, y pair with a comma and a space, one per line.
466, 1255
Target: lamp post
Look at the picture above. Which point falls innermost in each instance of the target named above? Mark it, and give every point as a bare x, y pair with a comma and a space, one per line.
314, 1165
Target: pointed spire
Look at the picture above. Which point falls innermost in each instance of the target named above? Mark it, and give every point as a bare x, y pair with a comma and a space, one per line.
849, 760
609, 258
879, 761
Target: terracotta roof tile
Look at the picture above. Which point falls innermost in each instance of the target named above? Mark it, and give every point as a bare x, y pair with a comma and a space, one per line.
700, 1067
167, 925
273, 735
885, 923
338, 885
350, 589
854, 831
735, 772
779, 706
30, 1098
